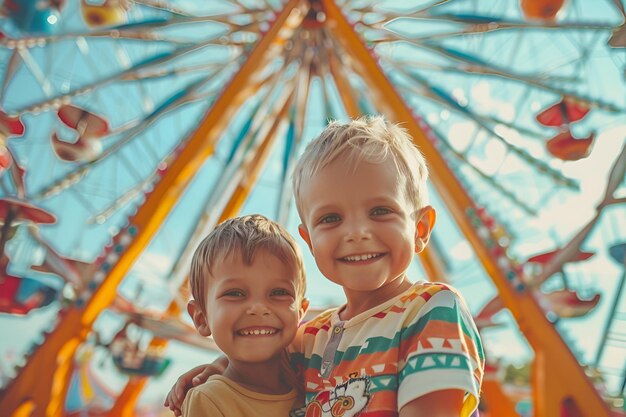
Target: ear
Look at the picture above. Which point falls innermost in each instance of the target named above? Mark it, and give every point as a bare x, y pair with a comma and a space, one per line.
304, 306
305, 235
199, 318
424, 224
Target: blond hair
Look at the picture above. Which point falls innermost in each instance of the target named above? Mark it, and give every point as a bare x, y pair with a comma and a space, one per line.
369, 138
244, 236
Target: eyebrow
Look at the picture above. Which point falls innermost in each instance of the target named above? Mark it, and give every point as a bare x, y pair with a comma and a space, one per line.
379, 200
229, 281
324, 209
332, 208
237, 280
317, 211
290, 281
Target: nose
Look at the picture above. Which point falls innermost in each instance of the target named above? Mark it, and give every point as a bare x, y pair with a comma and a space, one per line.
258, 308
357, 231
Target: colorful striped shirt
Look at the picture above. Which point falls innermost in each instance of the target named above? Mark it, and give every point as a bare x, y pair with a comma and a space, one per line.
421, 341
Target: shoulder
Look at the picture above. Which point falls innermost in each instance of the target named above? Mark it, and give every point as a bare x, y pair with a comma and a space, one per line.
426, 290
203, 399
209, 388
431, 294
437, 306
441, 350
423, 296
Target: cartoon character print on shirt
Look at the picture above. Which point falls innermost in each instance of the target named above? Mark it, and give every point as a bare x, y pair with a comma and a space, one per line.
345, 400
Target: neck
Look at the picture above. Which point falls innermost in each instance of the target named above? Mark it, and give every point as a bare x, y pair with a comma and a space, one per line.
263, 377
361, 301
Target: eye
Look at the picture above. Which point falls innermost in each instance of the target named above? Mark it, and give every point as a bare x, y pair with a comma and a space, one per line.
329, 218
380, 211
281, 292
233, 293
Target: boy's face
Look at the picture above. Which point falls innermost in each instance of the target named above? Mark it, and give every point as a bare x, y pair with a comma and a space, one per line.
361, 227
252, 313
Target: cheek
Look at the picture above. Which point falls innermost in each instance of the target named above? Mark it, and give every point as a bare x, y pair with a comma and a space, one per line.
322, 243
407, 232
223, 314
291, 325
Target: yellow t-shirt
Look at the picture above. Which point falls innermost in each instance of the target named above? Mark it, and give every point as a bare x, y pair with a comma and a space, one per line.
222, 397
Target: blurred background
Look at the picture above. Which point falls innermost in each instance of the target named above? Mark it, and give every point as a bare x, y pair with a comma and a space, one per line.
129, 128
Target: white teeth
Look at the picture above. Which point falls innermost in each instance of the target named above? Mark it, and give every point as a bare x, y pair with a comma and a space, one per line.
256, 332
361, 257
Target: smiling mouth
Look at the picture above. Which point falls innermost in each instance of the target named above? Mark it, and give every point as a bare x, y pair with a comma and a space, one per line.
257, 332
362, 257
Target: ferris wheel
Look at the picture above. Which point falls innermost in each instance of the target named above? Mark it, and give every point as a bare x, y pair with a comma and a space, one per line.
130, 128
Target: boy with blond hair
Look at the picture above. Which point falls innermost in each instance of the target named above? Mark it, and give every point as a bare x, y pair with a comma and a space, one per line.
247, 282
395, 347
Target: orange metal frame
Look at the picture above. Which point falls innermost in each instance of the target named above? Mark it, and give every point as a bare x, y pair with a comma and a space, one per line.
500, 405
343, 86
557, 374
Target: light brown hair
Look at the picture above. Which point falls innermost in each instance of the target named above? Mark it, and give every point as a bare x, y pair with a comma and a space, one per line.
368, 138
244, 236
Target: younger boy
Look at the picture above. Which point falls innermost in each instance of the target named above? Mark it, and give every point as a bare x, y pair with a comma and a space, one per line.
248, 286
395, 348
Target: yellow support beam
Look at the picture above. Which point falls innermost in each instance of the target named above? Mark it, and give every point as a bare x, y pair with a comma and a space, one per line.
433, 265
24, 410
344, 88
498, 403
560, 377
42, 380
255, 164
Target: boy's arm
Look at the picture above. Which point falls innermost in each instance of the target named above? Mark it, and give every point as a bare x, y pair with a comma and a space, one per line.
444, 403
445, 333
193, 377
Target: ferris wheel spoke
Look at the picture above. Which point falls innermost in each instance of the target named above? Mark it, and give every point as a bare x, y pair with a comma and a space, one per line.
163, 6
173, 72
571, 249
130, 33
13, 65
125, 198
422, 10
253, 136
323, 72
294, 137
240, 169
189, 94
339, 74
142, 30
36, 71
505, 192
474, 64
226, 19
130, 73
477, 65
484, 24
440, 96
